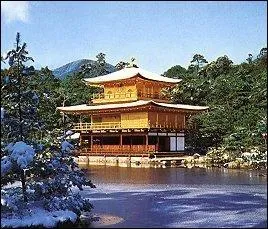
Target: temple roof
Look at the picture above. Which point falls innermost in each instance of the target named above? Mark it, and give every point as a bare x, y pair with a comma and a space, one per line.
129, 73
85, 107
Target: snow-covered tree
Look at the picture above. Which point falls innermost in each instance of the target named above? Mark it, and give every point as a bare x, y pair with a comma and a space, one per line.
44, 165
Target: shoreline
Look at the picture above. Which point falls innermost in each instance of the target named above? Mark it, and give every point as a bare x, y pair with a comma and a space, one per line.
145, 162
98, 220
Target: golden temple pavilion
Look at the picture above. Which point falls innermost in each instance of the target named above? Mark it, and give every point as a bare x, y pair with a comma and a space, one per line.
131, 117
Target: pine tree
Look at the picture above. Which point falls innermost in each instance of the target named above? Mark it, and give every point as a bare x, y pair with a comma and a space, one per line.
98, 68
44, 165
18, 102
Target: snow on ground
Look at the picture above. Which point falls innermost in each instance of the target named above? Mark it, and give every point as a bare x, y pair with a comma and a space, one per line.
38, 217
2, 113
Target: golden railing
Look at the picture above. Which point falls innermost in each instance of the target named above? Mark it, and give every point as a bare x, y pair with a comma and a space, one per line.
97, 126
110, 125
114, 95
101, 97
134, 124
152, 95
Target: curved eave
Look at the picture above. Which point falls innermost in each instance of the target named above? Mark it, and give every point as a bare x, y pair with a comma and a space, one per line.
128, 74
140, 103
182, 106
137, 75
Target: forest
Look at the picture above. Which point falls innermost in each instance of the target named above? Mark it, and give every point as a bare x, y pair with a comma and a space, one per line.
236, 95
236, 124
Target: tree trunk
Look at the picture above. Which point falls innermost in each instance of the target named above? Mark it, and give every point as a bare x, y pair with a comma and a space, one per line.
23, 183
22, 176
19, 101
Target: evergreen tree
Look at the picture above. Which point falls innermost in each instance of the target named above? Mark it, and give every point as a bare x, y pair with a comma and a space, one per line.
177, 72
237, 97
97, 68
45, 166
121, 65
20, 102
198, 62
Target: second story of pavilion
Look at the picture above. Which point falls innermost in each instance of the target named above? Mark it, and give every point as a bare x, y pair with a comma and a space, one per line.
130, 84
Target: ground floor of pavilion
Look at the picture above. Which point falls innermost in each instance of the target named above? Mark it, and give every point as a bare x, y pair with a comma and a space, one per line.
130, 143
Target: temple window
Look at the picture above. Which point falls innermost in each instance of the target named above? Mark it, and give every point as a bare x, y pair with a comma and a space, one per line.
129, 93
109, 94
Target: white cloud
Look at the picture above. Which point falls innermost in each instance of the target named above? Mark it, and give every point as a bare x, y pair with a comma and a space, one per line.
15, 11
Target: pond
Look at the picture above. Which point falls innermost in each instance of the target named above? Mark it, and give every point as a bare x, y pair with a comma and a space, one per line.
177, 197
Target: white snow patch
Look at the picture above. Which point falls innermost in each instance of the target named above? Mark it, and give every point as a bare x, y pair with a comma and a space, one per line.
206, 219
3, 202
39, 217
13, 185
22, 154
69, 132
66, 146
2, 113
94, 199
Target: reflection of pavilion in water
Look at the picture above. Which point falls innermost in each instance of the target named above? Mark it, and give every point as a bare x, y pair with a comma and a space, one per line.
131, 116
211, 175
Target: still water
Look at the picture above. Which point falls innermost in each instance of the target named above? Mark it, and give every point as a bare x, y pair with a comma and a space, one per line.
178, 197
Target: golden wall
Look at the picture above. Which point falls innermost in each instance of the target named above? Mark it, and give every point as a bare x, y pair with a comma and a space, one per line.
132, 120
128, 120
122, 89
172, 120
132, 90
118, 94
144, 119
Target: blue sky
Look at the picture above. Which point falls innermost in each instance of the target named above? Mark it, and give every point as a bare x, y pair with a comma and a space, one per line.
159, 34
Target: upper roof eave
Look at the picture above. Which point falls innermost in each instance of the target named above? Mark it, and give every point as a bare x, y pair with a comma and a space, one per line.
127, 73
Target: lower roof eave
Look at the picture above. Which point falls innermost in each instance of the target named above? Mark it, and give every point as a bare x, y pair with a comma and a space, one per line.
82, 109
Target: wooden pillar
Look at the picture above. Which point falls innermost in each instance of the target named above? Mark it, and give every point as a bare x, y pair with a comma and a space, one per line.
121, 140
156, 119
167, 144
157, 142
91, 142
146, 141
176, 143
80, 140
166, 121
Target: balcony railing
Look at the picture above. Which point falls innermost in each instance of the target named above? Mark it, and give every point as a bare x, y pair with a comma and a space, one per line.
126, 96
135, 124
112, 96
118, 149
110, 125
152, 96
97, 126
